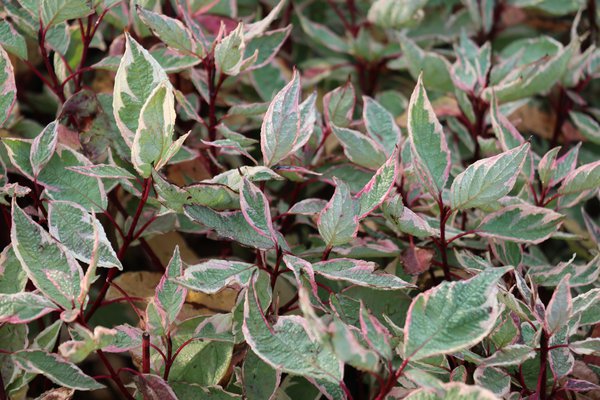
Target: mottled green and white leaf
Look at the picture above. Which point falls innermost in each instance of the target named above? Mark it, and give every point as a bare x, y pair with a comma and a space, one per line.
452, 316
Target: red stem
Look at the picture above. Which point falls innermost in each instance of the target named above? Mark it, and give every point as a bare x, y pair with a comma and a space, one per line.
541, 383
145, 353
121, 254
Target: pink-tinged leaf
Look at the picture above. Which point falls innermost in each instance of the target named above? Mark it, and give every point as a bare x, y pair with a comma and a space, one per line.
504, 130
20, 308
56, 369
300, 266
416, 260
216, 327
127, 338
381, 125
560, 306
428, 142
521, 223
552, 171
551, 275
281, 125
359, 148
452, 316
592, 227
584, 178
153, 387
379, 187
229, 225
488, 179
374, 333
286, 345
579, 385
308, 207
255, 208
338, 105
359, 272
170, 296
52, 269
405, 220
560, 357
338, 221
229, 146
8, 88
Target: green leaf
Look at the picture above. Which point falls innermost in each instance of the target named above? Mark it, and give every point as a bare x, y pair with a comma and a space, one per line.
12, 41
379, 187
229, 52
587, 126
514, 354
428, 142
20, 308
488, 179
375, 334
348, 348
255, 208
259, 378
56, 369
396, 14
520, 223
212, 276
73, 226
560, 307
504, 130
51, 269
454, 391
266, 45
452, 316
359, 148
230, 225
381, 125
13, 278
155, 129
257, 28
53, 12
213, 195
590, 346
579, 181
170, 296
85, 342
205, 363
405, 220
493, 379
338, 221
104, 171
286, 345
137, 77
323, 35
63, 184
535, 78
435, 69
8, 88
359, 272
279, 133
338, 105
171, 31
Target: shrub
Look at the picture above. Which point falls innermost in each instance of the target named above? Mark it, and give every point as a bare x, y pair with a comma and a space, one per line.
221, 199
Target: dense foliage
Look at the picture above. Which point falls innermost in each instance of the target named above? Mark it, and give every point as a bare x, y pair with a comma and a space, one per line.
300, 199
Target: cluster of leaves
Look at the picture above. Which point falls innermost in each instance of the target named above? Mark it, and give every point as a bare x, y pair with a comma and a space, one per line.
338, 237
